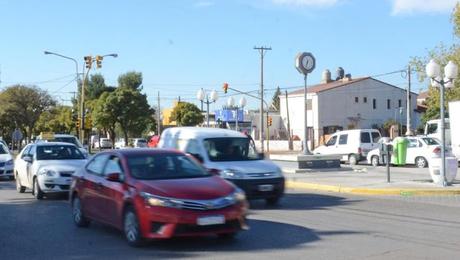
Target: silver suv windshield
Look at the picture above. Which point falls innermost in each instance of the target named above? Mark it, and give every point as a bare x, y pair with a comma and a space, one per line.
230, 149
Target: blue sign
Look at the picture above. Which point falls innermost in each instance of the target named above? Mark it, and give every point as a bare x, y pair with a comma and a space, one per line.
229, 115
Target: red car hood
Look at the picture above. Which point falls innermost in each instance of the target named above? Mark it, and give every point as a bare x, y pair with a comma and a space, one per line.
194, 188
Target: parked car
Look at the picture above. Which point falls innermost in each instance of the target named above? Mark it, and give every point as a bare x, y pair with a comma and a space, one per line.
103, 143
420, 150
139, 143
66, 138
230, 154
120, 144
353, 145
47, 167
6, 162
153, 141
153, 193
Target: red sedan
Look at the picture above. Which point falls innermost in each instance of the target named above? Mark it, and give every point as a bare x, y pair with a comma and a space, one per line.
154, 194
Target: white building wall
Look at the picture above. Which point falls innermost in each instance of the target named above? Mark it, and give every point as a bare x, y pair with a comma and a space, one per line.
337, 106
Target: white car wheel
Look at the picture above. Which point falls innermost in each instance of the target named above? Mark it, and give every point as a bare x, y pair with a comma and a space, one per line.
421, 162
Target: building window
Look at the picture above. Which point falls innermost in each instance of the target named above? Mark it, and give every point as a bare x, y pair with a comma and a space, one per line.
399, 103
365, 99
388, 104
356, 99
374, 103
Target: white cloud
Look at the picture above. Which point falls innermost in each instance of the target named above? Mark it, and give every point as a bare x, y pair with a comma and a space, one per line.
316, 3
422, 6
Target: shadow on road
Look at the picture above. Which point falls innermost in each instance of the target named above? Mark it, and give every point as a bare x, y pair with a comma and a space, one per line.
48, 221
303, 201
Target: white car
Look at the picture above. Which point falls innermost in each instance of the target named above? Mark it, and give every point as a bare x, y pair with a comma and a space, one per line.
139, 143
120, 144
6, 162
420, 150
47, 167
66, 138
103, 143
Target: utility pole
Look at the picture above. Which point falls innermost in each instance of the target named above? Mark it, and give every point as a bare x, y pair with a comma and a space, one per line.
408, 104
288, 124
262, 50
158, 116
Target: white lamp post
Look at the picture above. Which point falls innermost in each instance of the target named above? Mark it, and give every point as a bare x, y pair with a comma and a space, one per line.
207, 99
231, 104
433, 70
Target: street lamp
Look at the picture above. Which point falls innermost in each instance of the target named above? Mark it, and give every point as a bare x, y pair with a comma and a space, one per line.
65, 57
207, 99
433, 70
89, 60
231, 104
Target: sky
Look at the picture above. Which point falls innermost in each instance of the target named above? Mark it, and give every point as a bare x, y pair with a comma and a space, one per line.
181, 46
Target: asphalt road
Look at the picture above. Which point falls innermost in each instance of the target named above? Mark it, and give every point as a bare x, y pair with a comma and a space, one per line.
305, 226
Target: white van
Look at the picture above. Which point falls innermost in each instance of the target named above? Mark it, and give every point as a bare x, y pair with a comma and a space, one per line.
433, 129
230, 154
353, 145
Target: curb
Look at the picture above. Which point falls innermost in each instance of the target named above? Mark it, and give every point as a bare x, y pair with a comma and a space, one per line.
370, 191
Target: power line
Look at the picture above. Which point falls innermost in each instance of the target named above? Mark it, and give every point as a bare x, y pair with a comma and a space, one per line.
45, 81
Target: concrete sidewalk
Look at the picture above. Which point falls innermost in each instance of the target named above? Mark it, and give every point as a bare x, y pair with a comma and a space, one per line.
367, 180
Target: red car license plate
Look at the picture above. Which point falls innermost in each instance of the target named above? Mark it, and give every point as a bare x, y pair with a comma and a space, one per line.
211, 220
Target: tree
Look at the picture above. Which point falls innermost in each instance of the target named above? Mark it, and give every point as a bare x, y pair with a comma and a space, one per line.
104, 116
24, 105
131, 110
132, 80
186, 114
442, 54
58, 120
276, 99
96, 86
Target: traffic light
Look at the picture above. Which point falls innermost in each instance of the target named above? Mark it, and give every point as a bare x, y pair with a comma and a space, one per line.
88, 61
270, 121
88, 123
225, 87
99, 61
78, 122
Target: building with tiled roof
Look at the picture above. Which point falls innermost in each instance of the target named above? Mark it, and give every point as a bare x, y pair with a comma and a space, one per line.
345, 103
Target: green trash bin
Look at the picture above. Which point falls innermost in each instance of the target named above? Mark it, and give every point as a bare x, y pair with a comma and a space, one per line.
399, 151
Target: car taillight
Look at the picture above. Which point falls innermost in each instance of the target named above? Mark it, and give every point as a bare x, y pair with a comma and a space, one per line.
437, 150
214, 171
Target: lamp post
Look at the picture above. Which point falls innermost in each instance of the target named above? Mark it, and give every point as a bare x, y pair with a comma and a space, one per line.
65, 57
89, 60
207, 99
433, 70
231, 104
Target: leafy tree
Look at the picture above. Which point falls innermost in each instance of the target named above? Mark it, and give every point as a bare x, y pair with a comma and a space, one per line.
441, 54
58, 120
132, 80
24, 105
131, 110
186, 114
104, 116
276, 99
96, 86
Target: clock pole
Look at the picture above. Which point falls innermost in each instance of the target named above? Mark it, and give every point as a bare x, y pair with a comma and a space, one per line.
305, 63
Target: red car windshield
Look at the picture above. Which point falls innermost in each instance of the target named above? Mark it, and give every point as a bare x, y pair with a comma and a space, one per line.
164, 166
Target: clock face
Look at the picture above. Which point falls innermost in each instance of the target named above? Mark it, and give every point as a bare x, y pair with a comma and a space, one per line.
308, 62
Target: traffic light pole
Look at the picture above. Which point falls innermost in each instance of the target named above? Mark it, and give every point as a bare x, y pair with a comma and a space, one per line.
256, 97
